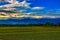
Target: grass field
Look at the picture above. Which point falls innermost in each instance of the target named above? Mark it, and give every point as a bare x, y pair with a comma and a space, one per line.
29, 33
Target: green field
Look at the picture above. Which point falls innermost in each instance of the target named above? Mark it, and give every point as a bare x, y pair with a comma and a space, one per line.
29, 33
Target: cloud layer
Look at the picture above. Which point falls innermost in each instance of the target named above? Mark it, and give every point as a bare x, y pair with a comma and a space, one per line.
23, 8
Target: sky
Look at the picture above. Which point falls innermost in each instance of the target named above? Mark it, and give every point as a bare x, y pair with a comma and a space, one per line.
43, 6
49, 4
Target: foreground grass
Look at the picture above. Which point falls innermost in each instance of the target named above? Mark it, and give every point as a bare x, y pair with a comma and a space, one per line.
29, 33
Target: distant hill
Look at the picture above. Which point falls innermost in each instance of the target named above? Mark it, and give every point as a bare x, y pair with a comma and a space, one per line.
29, 21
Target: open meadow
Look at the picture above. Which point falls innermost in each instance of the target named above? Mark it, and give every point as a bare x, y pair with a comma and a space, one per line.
29, 33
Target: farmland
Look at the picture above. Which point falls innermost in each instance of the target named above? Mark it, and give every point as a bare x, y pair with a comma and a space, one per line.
30, 33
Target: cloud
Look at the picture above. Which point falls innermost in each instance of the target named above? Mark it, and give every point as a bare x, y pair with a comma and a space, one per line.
36, 17
44, 16
19, 4
9, 9
49, 16
32, 15
38, 8
23, 4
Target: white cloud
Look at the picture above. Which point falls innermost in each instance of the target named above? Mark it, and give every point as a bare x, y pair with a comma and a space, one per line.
49, 16
44, 16
16, 3
38, 8
9, 9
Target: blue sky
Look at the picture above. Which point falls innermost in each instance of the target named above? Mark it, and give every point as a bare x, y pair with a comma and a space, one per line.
49, 4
